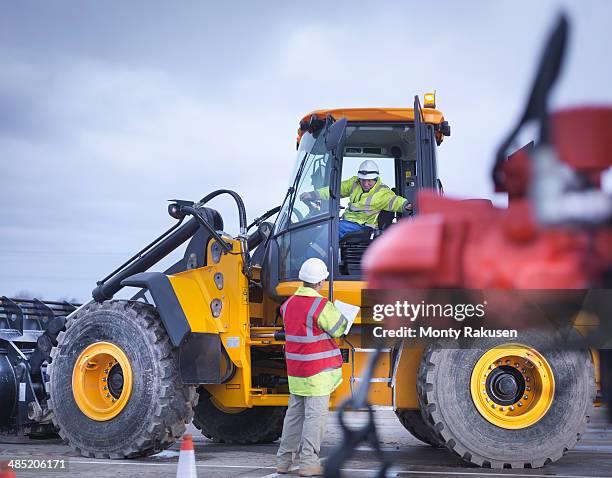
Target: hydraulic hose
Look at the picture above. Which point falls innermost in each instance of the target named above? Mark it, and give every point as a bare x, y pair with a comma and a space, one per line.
241, 209
258, 220
242, 218
168, 242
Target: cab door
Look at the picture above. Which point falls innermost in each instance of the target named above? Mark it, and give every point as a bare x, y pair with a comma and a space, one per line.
421, 173
306, 225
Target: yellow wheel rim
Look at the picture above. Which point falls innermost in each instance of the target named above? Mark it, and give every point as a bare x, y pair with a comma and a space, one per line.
512, 386
102, 381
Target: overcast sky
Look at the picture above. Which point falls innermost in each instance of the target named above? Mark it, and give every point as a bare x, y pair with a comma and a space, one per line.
108, 109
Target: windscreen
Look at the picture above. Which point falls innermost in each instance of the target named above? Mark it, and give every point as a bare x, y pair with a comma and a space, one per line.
311, 174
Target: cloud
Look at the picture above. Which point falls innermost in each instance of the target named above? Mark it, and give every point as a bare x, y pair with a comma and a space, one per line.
104, 120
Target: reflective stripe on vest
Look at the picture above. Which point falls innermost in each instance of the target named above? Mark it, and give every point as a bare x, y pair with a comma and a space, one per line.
367, 206
308, 348
337, 325
315, 356
284, 306
309, 317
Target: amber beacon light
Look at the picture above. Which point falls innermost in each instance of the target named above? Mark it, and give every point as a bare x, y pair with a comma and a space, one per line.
429, 100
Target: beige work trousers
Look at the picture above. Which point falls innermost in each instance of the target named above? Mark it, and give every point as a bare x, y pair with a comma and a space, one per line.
303, 430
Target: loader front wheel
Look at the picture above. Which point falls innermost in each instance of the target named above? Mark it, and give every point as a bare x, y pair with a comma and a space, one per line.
114, 383
246, 426
507, 405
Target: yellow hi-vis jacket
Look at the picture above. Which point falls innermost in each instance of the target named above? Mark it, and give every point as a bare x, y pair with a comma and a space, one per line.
364, 207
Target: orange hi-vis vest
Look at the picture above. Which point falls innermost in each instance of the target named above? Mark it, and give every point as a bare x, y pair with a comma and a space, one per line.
309, 350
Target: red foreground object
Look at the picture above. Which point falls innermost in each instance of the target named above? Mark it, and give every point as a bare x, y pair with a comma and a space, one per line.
6, 471
471, 244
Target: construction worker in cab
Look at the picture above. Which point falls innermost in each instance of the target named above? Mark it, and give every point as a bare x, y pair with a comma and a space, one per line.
314, 368
368, 196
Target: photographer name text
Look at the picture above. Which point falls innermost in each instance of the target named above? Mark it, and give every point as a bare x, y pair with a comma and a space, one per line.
450, 333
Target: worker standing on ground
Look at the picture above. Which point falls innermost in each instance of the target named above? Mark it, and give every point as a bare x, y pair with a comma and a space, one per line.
368, 197
313, 367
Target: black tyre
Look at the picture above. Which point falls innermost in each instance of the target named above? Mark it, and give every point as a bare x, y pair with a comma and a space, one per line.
153, 411
450, 408
246, 427
418, 427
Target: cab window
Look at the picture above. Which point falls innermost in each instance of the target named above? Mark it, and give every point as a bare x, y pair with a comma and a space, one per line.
303, 224
311, 172
315, 177
392, 147
350, 166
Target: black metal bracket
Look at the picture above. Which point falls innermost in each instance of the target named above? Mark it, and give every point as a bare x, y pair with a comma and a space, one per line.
351, 438
13, 313
536, 108
204, 223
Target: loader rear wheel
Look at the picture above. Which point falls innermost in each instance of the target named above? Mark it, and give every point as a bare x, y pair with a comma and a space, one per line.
509, 430
413, 421
246, 426
114, 383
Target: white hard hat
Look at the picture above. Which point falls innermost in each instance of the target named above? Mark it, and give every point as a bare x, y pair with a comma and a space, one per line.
368, 170
313, 270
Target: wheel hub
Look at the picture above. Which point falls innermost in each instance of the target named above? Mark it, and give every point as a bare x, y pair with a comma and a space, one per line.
512, 386
505, 385
115, 380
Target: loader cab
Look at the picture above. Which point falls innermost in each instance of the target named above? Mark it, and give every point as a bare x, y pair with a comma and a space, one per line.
331, 146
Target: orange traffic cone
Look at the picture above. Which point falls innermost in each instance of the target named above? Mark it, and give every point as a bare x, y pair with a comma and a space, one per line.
186, 464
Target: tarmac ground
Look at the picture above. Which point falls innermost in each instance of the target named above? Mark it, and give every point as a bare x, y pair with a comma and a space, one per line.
592, 457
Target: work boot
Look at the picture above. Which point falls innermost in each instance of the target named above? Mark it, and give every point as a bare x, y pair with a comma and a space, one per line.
282, 467
316, 470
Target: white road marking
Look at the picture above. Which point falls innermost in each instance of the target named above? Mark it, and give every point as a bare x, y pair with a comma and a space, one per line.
173, 463
291, 470
466, 473
166, 454
592, 449
352, 470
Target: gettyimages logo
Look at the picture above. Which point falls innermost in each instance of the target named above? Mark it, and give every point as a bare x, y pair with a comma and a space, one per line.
412, 312
427, 320
471, 317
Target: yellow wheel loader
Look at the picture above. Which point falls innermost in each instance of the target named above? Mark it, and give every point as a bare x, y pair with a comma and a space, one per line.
203, 340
